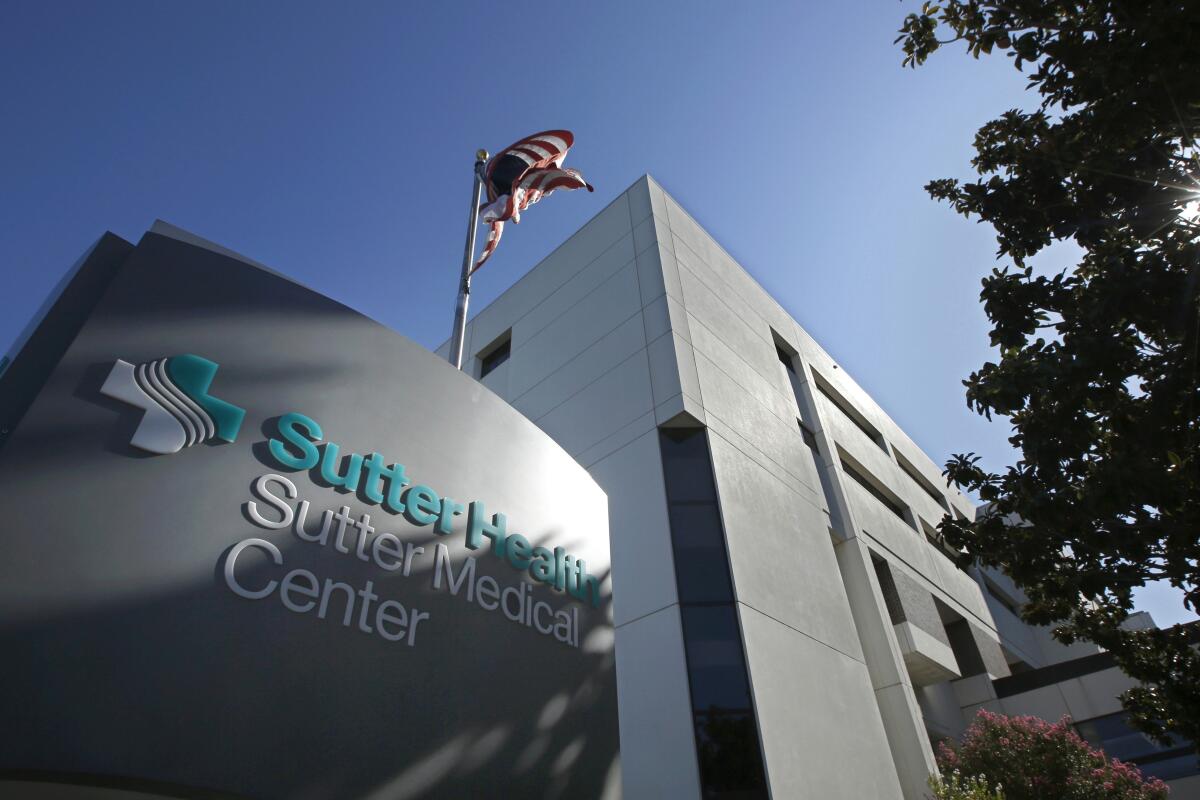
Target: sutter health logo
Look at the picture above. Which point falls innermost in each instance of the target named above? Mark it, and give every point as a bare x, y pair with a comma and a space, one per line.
173, 394
178, 411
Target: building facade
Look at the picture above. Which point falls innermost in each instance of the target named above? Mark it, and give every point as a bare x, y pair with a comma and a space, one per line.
771, 613
787, 622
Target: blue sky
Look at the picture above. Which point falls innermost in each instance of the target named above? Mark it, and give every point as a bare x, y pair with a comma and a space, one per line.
334, 142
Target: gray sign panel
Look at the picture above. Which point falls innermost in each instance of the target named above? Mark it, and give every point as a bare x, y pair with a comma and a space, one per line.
178, 621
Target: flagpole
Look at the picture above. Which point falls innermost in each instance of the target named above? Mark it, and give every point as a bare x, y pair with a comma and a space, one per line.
464, 285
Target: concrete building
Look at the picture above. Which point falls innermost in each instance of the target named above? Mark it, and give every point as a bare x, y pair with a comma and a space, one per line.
1078, 681
787, 623
770, 615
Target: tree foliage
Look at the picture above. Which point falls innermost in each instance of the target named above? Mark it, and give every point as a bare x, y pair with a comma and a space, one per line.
955, 786
1031, 759
1097, 365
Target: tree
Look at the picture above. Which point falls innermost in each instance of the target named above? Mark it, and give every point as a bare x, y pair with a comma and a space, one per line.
1031, 759
954, 786
1097, 365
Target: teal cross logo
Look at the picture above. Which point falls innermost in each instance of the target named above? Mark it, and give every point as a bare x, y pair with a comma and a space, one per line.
177, 409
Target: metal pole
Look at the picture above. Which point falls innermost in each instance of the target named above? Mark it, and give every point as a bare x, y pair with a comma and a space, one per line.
464, 286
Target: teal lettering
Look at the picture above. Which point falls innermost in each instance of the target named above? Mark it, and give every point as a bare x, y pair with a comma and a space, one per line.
298, 446
542, 568
518, 549
591, 590
422, 505
329, 468
572, 575
309, 455
586, 587
396, 483
478, 527
376, 471
449, 510
560, 569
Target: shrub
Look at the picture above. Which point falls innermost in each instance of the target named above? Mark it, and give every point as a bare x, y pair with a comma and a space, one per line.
1033, 760
954, 786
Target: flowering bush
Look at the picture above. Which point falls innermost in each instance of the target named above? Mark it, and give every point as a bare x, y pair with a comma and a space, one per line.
954, 786
1035, 760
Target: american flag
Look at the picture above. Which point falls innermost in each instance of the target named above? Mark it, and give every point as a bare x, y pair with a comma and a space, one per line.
522, 174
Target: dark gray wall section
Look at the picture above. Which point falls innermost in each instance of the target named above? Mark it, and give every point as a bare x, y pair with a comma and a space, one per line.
989, 652
56, 327
887, 585
908, 601
919, 607
125, 654
975, 651
966, 649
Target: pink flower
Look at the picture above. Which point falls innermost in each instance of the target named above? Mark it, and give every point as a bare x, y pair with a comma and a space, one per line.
1032, 756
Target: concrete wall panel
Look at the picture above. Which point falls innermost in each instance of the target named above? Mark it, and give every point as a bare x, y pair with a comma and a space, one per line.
778, 439
614, 442
658, 746
589, 365
640, 203
665, 373
779, 551
588, 244
821, 731
732, 363
586, 418
575, 329
574, 291
643, 565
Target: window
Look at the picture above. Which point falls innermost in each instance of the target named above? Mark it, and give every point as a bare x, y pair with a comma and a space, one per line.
931, 535
808, 436
1114, 735
1019, 666
849, 413
495, 354
822, 474
887, 584
726, 731
785, 358
920, 480
965, 648
1001, 598
785, 352
697, 536
935, 538
893, 505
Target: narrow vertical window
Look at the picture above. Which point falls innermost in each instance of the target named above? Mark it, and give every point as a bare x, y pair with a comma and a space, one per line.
726, 728
848, 411
810, 439
785, 358
697, 536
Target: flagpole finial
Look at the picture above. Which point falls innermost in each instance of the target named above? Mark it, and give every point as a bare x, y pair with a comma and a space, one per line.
481, 155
